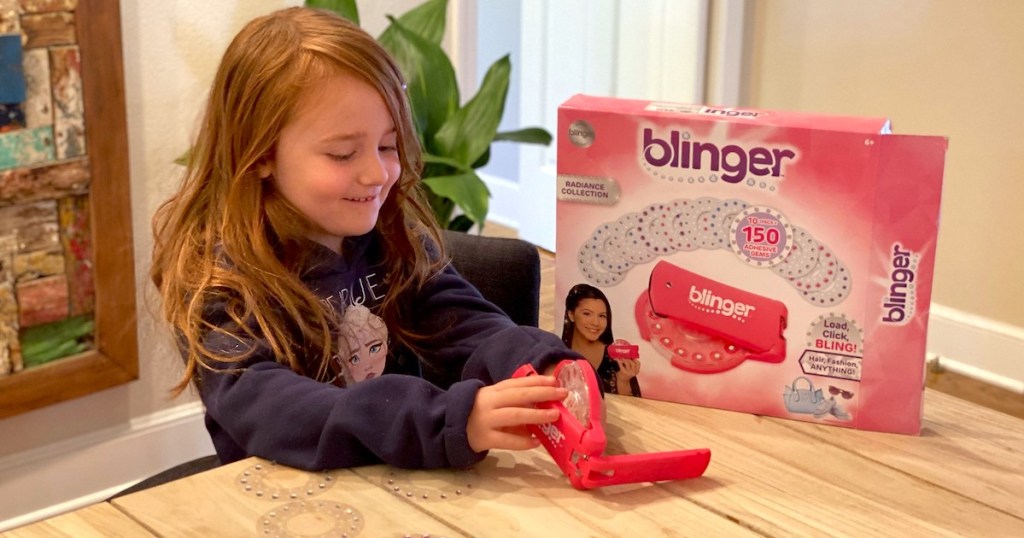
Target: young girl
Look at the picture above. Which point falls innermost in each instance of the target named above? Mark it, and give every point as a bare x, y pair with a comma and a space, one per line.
302, 199
587, 328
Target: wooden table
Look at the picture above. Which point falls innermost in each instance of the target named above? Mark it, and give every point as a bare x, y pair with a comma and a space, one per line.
771, 477
97, 521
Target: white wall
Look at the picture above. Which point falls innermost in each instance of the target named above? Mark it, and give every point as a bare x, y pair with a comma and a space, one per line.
62, 456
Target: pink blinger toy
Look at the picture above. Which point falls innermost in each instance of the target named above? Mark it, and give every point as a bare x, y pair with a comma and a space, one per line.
576, 440
705, 326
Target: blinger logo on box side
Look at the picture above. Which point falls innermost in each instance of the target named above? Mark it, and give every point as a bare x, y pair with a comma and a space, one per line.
898, 305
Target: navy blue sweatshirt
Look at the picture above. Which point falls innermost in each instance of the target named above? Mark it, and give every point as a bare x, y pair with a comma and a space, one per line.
265, 409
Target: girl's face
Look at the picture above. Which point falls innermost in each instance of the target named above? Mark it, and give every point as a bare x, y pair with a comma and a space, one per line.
369, 351
590, 318
337, 158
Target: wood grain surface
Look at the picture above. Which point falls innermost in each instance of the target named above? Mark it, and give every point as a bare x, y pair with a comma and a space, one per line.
96, 521
771, 477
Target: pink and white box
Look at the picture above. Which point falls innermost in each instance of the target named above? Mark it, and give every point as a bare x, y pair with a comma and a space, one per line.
765, 262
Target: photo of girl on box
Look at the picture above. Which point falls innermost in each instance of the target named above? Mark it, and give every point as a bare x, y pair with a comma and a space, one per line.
587, 329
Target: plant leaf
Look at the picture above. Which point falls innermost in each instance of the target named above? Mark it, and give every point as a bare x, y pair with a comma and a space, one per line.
184, 158
470, 130
430, 158
345, 8
462, 223
441, 207
468, 191
483, 159
528, 135
429, 76
426, 20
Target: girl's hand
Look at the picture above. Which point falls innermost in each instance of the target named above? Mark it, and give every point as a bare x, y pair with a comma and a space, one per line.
502, 411
628, 369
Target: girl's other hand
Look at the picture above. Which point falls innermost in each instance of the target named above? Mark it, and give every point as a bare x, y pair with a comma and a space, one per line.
628, 368
502, 411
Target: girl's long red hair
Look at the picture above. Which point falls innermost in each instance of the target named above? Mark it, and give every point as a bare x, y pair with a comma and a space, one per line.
227, 237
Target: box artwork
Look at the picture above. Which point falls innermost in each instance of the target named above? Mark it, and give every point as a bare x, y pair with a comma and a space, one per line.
758, 261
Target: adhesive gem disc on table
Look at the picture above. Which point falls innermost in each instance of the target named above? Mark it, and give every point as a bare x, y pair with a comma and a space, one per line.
272, 482
310, 519
438, 485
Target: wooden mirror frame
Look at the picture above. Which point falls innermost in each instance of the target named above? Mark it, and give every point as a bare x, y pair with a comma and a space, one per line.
114, 360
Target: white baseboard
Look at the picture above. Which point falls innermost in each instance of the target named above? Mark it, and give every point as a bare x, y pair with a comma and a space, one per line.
977, 347
71, 474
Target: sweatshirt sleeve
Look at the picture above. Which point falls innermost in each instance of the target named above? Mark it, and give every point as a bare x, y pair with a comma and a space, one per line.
263, 408
268, 410
475, 337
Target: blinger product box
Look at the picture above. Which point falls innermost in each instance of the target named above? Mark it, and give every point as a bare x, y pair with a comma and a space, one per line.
765, 262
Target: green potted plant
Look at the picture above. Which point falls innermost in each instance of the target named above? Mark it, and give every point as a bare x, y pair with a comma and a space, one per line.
456, 139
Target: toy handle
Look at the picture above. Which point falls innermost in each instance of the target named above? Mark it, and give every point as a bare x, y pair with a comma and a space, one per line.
654, 467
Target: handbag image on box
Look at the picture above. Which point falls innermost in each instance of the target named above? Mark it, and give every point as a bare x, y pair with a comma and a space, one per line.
805, 400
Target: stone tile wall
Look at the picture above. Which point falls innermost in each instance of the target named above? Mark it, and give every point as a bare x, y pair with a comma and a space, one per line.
46, 278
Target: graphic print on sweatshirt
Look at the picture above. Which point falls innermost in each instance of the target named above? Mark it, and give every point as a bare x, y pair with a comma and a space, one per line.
362, 342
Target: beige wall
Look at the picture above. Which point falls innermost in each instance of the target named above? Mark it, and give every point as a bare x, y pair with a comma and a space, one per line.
941, 67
